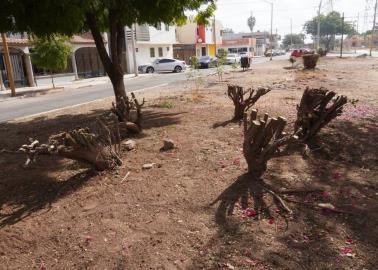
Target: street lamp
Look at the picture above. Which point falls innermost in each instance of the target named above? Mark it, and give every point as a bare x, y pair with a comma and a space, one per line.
271, 29
318, 33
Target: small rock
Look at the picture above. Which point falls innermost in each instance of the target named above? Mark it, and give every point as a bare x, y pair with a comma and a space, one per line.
148, 166
168, 145
130, 145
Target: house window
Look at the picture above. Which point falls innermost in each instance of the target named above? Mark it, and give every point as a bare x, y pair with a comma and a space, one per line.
158, 26
166, 27
168, 49
152, 52
160, 52
136, 49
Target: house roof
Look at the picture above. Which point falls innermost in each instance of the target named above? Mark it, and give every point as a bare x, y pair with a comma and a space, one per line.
18, 41
85, 38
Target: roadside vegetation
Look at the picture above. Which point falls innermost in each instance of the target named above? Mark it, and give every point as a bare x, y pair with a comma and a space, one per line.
296, 172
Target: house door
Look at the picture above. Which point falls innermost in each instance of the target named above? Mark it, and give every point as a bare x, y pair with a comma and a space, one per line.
18, 70
203, 51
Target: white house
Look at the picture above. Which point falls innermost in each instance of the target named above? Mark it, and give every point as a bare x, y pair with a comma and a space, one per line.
152, 42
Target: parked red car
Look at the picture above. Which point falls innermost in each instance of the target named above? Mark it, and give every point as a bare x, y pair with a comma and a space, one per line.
299, 53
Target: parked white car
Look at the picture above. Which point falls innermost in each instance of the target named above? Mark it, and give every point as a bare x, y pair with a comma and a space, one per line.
245, 54
162, 65
232, 58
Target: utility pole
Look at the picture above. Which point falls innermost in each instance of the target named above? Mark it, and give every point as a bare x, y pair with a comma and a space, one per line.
214, 36
8, 65
271, 32
271, 28
291, 33
342, 37
373, 30
318, 35
133, 36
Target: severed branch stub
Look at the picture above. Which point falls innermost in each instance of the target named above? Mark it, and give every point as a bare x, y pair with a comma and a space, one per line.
100, 150
317, 108
244, 99
129, 112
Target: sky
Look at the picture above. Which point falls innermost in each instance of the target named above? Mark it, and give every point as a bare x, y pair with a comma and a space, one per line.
234, 13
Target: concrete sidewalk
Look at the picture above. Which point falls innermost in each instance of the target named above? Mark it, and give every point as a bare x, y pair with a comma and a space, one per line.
33, 91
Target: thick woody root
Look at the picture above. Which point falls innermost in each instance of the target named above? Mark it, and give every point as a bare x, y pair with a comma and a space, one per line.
99, 150
317, 108
263, 138
244, 99
129, 112
310, 60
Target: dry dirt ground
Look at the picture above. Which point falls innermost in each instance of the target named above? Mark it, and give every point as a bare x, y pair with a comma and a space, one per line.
61, 215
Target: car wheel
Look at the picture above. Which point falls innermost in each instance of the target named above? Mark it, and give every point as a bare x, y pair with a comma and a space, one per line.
150, 70
178, 69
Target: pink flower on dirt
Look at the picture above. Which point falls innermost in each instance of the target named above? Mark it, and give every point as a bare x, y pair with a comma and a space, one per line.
336, 175
326, 195
236, 162
349, 241
250, 212
271, 221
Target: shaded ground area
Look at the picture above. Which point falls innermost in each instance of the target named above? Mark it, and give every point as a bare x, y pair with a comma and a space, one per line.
65, 216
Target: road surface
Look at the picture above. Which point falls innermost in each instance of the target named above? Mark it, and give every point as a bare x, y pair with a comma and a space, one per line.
17, 108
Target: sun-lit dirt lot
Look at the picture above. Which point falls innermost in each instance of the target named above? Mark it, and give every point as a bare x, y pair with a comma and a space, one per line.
62, 215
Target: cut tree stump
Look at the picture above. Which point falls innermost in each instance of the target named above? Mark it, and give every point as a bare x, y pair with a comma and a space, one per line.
317, 108
129, 111
244, 99
310, 60
100, 150
263, 138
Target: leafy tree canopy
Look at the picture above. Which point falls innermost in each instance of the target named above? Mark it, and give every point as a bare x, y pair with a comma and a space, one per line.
298, 39
251, 22
51, 53
68, 17
44, 17
330, 24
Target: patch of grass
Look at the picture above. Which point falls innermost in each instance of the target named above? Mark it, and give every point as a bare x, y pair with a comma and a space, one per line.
195, 97
166, 104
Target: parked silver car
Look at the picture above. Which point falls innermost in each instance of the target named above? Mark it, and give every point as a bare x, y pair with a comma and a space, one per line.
232, 58
163, 65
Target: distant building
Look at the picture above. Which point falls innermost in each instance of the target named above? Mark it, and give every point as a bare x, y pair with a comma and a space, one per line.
260, 41
84, 61
197, 40
152, 42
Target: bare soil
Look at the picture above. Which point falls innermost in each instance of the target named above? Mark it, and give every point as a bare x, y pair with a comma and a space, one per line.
62, 215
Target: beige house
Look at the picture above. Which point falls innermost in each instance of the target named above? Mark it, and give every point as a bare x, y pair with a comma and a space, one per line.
84, 61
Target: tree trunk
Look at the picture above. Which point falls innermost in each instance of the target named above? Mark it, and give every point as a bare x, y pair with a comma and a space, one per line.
239, 111
112, 65
118, 86
52, 80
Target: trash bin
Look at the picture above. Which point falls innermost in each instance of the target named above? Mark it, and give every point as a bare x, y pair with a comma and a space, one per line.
245, 62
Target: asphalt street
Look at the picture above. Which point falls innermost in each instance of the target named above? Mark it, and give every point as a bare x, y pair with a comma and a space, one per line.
17, 108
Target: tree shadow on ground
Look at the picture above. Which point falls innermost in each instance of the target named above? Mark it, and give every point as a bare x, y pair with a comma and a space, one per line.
37, 195
25, 191
345, 166
225, 123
